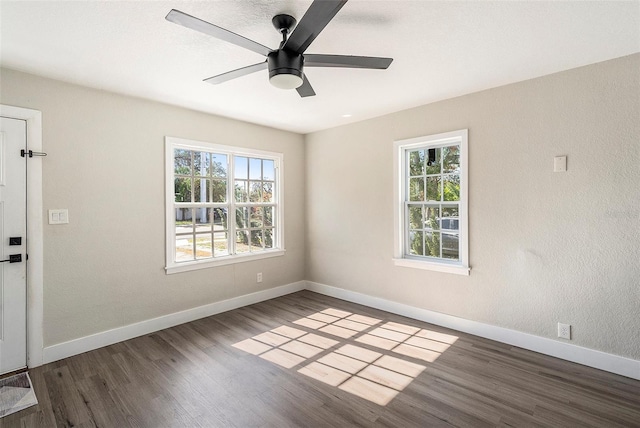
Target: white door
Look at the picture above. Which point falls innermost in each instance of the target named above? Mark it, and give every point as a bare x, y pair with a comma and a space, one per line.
13, 229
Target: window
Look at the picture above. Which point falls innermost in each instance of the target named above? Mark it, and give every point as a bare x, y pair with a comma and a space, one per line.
224, 204
431, 203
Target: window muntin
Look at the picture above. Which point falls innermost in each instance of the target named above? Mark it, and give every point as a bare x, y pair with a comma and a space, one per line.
431, 219
224, 204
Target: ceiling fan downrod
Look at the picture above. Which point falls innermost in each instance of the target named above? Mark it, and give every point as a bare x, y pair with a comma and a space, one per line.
284, 24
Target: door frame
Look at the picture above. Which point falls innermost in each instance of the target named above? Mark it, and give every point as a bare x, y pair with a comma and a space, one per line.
35, 306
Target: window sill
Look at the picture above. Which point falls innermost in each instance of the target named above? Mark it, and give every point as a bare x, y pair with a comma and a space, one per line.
438, 267
196, 265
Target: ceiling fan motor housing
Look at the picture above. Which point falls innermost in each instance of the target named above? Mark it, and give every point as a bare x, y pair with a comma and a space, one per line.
285, 68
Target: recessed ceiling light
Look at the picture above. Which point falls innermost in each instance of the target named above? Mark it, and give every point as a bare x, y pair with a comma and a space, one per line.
346, 115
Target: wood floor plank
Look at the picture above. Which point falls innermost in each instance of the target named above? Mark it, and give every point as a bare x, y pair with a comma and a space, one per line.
192, 376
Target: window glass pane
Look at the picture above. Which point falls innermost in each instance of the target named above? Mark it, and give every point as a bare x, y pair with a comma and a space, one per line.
432, 215
449, 211
268, 170
255, 169
220, 219
416, 189
203, 246
201, 162
242, 219
451, 159
218, 165
219, 190
256, 240
241, 167
267, 191
415, 217
432, 244
451, 184
255, 191
256, 217
184, 220
268, 216
433, 188
182, 162
203, 219
220, 244
184, 248
450, 246
416, 162
450, 218
182, 188
268, 238
201, 191
416, 243
242, 242
241, 191
433, 161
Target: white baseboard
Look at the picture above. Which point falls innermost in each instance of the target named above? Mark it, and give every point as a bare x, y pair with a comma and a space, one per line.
109, 337
577, 354
588, 357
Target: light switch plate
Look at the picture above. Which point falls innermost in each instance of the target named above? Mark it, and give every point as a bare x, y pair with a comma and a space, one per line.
59, 216
560, 164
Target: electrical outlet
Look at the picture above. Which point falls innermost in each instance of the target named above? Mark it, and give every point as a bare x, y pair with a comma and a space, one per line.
259, 277
564, 331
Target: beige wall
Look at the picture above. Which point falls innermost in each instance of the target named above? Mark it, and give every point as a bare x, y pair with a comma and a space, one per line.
544, 247
105, 163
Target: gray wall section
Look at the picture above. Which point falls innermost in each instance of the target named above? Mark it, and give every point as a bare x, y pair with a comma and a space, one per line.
545, 247
105, 163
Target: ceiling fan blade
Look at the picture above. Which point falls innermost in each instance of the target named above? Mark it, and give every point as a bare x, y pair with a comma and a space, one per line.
205, 27
305, 90
348, 61
237, 73
312, 23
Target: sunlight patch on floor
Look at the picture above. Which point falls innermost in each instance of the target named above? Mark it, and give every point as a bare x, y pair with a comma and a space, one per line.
372, 375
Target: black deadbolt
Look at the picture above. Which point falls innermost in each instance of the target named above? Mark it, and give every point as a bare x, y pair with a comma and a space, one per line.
15, 240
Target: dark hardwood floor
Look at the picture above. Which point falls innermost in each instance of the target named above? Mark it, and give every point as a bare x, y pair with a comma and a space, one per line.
192, 375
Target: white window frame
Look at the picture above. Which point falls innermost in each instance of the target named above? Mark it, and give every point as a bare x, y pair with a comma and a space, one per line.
400, 256
172, 143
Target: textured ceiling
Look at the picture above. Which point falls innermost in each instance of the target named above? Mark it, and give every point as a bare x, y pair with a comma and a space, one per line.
441, 49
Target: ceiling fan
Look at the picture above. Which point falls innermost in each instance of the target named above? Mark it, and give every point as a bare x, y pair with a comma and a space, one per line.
286, 63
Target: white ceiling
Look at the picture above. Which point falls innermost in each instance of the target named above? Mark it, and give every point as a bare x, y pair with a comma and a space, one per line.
441, 49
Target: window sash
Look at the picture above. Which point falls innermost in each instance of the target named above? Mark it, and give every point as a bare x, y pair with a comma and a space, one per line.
440, 230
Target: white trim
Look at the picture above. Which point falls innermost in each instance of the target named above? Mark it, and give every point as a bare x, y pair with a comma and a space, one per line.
577, 354
109, 337
434, 266
400, 148
34, 228
228, 260
171, 266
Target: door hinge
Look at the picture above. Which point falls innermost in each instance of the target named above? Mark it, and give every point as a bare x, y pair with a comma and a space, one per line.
31, 153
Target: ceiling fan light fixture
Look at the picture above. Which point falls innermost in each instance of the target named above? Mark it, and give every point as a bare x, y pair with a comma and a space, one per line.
286, 81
